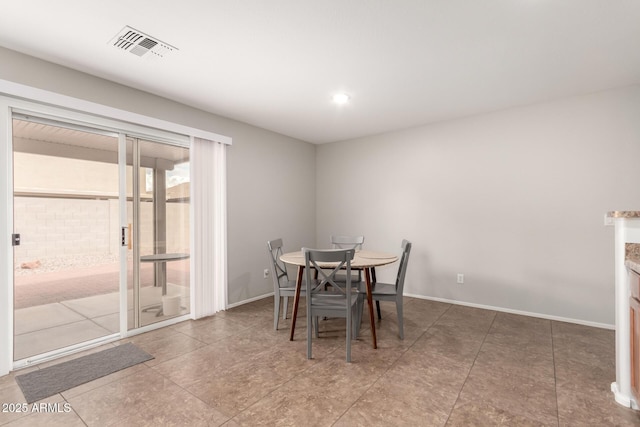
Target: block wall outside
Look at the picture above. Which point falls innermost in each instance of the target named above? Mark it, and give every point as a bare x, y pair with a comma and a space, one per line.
61, 227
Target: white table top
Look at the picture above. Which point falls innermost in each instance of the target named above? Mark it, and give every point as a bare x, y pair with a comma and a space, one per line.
361, 259
163, 257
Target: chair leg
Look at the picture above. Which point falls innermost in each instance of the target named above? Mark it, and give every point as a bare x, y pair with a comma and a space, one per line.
400, 317
378, 308
359, 308
349, 326
309, 332
354, 316
276, 312
284, 311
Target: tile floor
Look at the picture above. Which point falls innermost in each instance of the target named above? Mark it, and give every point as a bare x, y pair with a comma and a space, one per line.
457, 366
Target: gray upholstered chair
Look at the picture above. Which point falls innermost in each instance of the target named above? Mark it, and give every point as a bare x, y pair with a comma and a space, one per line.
393, 291
332, 300
283, 288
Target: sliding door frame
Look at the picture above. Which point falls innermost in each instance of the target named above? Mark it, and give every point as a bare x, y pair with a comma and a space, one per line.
122, 191
6, 249
8, 106
16, 95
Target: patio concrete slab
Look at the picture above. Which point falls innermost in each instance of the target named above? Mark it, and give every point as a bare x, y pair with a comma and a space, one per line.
46, 327
44, 316
110, 322
95, 306
45, 340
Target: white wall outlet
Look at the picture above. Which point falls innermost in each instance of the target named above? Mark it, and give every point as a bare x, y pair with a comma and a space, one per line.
460, 278
266, 273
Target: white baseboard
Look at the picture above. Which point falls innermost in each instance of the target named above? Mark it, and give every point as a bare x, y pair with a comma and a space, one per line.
470, 304
520, 312
247, 301
623, 399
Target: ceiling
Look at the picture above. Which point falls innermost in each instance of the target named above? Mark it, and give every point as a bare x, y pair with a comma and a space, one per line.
276, 64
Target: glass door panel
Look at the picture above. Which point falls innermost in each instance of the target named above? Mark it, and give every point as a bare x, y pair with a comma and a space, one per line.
66, 268
160, 215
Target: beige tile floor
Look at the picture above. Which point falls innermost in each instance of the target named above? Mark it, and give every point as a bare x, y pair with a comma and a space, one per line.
457, 366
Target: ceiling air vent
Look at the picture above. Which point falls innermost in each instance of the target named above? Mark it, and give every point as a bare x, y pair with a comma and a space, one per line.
140, 44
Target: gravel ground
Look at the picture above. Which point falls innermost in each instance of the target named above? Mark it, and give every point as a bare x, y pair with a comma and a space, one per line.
48, 265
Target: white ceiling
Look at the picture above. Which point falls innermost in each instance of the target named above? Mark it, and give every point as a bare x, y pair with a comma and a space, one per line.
276, 64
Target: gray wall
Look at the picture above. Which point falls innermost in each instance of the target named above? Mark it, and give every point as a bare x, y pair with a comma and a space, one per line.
270, 177
514, 200
271, 194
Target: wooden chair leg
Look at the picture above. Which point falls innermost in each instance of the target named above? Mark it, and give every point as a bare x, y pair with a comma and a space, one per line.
378, 308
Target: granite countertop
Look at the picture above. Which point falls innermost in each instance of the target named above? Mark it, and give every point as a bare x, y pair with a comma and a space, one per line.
623, 214
632, 256
632, 250
633, 264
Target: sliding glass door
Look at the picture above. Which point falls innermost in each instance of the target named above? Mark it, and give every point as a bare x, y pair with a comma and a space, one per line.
66, 253
159, 186
101, 234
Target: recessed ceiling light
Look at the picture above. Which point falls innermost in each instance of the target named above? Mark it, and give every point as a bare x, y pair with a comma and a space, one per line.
341, 98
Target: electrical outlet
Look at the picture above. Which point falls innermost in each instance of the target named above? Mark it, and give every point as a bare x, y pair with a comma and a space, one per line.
266, 273
460, 278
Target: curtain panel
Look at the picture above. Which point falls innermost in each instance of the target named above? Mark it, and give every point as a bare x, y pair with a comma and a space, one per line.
209, 204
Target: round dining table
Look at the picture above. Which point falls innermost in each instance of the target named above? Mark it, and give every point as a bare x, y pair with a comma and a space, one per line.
362, 260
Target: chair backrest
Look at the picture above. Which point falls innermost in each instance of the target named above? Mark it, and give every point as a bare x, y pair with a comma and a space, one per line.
340, 259
278, 269
347, 242
402, 268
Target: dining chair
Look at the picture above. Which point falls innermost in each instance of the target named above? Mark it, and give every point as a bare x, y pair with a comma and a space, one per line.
348, 242
332, 300
283, 287
393, 291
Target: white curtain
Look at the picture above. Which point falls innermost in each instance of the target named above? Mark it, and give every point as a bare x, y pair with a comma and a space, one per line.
209, 204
